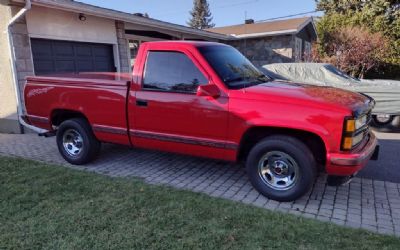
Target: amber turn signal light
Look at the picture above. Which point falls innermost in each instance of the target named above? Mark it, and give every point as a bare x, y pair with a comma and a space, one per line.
347, 143
350, 126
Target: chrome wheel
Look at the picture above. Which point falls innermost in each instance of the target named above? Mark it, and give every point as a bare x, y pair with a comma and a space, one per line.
383, 118
278, 170
72, 142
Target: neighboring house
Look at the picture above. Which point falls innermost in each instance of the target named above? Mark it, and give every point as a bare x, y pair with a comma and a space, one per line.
39, 37
273, 41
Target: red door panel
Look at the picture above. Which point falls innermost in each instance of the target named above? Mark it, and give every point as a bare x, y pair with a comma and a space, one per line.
163, 116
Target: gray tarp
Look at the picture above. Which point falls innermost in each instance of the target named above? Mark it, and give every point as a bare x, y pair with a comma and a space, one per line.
385, 92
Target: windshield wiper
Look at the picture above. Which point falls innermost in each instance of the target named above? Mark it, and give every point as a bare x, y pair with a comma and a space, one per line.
236, 79
247, 81
259, 80
264, 78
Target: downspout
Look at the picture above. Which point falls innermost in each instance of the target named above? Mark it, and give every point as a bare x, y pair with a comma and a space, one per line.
22, 12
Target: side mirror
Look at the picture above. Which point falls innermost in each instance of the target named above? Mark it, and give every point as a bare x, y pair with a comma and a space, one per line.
208, 90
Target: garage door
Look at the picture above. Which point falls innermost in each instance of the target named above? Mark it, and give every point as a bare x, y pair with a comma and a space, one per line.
51, 56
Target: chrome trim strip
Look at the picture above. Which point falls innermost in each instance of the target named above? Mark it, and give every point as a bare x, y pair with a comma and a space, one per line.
109, 129
35, 118
183, 139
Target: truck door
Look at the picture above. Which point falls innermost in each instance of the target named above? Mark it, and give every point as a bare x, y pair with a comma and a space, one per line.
167, 113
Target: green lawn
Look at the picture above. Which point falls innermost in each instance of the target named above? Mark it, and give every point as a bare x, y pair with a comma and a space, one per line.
51, 207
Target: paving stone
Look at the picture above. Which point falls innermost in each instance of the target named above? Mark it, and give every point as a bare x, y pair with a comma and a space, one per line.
353, 224
370, 228
325, 212
338, 221
323, 218
260, 201
339, 216
294, 212
364, 203
307, 215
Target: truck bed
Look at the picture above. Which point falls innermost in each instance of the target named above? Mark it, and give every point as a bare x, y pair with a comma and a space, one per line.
101, 97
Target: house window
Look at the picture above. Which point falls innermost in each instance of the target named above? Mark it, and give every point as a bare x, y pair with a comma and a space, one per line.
133, 50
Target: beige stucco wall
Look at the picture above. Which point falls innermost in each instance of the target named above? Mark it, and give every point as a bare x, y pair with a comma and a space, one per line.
8, 103
62, 25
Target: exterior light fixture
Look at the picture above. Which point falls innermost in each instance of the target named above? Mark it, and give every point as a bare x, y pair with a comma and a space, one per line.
82, 17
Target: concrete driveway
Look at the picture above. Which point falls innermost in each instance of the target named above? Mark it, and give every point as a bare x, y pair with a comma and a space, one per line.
371, 201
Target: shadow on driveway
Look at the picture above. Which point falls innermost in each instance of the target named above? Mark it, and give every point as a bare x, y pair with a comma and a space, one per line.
387, 167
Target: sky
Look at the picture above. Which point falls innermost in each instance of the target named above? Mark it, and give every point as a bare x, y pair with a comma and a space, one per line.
224, 12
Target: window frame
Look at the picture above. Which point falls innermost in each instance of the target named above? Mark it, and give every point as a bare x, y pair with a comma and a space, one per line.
189, 56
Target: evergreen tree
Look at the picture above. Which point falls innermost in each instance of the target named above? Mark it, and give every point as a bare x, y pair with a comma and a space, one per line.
201, 17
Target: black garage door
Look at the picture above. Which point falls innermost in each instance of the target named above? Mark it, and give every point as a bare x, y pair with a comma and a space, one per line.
51, 56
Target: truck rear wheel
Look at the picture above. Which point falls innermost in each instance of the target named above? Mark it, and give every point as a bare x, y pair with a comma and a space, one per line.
76, 141
281, 168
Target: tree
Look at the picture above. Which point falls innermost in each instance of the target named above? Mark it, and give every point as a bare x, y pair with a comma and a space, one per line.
376, 16
201, 17
354, 50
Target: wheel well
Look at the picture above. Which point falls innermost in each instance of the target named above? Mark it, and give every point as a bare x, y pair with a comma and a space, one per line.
255, 134
60, 115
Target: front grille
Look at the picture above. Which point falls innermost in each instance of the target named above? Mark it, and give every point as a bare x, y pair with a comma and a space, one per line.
364, 130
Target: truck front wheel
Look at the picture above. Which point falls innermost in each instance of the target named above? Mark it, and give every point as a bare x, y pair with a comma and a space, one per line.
76, 141
281, 168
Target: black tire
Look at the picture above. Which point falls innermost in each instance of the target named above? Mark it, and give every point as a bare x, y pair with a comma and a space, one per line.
382, 124
87, 146
296, 152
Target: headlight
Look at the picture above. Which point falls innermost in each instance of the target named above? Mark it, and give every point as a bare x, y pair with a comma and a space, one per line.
352, 125
361, 122
353, 132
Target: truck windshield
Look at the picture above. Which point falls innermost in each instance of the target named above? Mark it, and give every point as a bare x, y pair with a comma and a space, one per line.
232, 67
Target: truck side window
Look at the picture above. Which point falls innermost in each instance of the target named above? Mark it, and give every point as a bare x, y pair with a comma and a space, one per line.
172, 71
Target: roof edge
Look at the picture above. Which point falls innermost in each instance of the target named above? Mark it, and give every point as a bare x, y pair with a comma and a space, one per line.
306, 22
277, 32
271, 33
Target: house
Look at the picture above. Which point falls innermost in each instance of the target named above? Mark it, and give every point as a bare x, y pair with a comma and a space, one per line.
55, 36
40, 37
272, 41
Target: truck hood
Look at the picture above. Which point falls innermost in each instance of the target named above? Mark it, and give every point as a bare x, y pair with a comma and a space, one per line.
303, 94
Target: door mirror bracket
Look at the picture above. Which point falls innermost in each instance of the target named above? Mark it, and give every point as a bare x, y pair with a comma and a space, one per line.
208, 90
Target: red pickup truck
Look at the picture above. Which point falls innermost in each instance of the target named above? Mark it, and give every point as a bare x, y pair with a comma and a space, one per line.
208, 100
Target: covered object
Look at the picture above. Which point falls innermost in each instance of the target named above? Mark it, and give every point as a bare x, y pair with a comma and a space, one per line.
385, 92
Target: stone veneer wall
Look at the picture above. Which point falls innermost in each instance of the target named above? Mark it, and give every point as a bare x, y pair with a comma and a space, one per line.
265, 50
23, 54
124, 60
